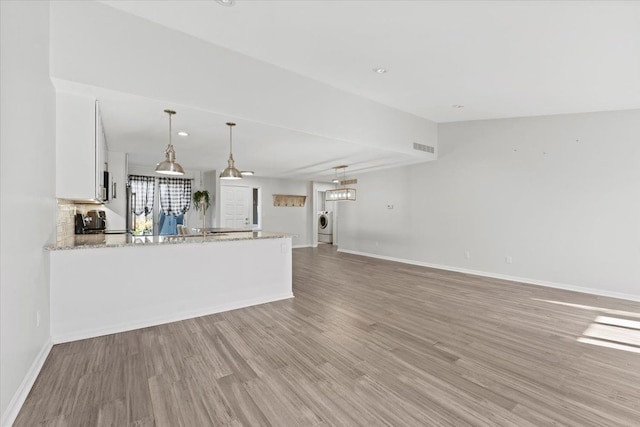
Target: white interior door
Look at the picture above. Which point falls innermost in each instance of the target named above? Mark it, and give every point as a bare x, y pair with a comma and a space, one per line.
236, 206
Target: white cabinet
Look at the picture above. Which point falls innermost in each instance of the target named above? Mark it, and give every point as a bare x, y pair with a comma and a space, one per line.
102, 157
81, 148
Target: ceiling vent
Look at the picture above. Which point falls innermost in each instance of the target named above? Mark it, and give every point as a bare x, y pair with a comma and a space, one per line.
425, 148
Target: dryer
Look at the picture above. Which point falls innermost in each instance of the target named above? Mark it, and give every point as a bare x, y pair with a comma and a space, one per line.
325, 227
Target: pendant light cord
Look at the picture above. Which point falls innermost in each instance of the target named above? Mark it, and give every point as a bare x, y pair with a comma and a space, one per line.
170, 143
231, 125
170, 113
231, 142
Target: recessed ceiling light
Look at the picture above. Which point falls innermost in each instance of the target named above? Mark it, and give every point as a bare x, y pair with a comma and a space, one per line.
183, 133
457, 106
380, 70
247, 173
226, 2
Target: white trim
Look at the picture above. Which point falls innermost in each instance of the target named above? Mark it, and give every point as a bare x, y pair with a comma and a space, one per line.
300, 246
123, 327
525, 280
21, 394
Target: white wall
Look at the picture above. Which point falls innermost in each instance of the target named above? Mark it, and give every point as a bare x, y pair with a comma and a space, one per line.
558, 194
28, 206
210, 183
290, 220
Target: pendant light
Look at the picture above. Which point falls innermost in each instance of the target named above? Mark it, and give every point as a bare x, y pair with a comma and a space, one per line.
231, 172
169, 166
341, 194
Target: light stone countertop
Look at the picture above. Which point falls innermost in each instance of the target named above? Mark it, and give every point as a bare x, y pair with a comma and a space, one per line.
87, 241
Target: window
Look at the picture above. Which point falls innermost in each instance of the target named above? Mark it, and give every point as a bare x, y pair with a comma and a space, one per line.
175, 201
141, 202
257, 208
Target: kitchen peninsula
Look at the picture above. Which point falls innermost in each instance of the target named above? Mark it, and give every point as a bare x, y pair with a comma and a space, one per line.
112, 283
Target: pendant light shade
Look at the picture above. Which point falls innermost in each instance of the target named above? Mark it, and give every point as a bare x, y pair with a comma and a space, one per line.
169, 166
230, 171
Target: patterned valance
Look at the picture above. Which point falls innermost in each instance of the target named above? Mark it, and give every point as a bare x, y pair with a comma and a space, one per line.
175, 195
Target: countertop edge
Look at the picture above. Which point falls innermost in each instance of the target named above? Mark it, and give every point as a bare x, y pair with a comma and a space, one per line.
170, 240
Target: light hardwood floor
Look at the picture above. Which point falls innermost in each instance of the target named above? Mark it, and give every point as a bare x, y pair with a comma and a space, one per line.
365, 342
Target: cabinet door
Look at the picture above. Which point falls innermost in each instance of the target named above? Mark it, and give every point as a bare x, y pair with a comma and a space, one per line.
75, 147
101, 156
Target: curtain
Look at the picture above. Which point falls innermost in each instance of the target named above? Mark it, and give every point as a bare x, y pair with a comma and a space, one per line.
175, 195
142, 193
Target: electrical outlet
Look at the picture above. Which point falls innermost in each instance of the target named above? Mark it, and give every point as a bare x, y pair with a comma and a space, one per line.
467, 254
377, 244
38, 318
508, 260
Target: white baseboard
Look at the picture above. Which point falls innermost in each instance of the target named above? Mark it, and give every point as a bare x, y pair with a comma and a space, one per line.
21, 394
174, 317
526, 280
300, 246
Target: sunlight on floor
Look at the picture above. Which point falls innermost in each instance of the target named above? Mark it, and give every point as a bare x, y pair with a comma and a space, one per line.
613, 332
608, 331
609, 345
591, 308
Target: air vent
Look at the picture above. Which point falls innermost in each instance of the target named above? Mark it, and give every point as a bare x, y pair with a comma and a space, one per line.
425, 148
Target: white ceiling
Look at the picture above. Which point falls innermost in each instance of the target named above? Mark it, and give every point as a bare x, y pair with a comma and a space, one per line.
498, 59
138, 126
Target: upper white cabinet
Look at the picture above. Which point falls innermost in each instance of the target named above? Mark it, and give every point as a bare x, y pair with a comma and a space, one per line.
81, 148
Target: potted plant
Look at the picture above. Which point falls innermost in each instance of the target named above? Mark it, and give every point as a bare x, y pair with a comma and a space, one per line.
201, 202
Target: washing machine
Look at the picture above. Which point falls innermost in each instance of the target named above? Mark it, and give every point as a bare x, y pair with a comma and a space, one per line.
325, 227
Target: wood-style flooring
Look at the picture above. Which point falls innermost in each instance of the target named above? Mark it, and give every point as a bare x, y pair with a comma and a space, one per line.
365, 342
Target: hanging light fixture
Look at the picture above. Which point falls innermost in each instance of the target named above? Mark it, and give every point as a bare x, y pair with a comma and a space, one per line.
231, 172
344, 193
169, 166
335, 179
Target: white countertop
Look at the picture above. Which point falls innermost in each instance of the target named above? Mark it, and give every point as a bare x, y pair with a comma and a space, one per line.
87, 241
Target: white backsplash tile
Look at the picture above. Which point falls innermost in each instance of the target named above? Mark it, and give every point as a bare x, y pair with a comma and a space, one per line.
65, 220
